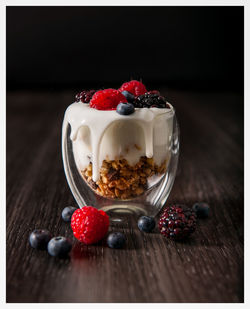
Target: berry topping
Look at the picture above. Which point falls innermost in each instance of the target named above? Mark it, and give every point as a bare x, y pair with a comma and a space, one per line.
129, 96
135, 87
125, 108
89, 225
39, 239
146, 224
107, 99
59, 246
67, 213
177, 222
151, 100
85, 96
116, 240
201, 209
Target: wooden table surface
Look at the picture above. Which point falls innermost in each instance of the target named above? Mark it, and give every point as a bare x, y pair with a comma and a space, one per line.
206, 268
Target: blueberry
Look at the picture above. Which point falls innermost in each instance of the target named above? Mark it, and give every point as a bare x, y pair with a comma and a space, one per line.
201, 209
39, 239
146, 224
116, 240
129, 96
67, 213
125, 108
59, 246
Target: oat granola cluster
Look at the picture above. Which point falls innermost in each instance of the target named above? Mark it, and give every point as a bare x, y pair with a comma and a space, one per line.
120, 180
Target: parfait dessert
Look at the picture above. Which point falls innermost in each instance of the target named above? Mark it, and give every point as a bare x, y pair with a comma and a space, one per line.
121, 139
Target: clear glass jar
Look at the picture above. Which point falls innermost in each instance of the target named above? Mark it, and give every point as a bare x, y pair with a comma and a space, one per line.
120, 164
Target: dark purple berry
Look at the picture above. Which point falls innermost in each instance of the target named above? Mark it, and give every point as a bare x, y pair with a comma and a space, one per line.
201, 209
85, 96
150, 99
39, 239
67, 213
116, 240
59, 246
125, 108
129, 96
177, 222
146, 224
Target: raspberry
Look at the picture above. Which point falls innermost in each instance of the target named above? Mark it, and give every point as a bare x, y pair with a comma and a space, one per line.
134, 87
85, 96
150, 99
89, 225
177, 222
107, 99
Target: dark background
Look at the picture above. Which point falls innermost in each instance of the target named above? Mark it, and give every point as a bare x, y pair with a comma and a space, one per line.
183, 47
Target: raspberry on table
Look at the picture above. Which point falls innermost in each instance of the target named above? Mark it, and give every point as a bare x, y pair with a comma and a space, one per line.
134, 86
177, 222
89, 225
150, 99
107, 99
85, 96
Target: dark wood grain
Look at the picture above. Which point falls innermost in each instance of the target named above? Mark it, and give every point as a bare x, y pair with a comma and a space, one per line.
206, 268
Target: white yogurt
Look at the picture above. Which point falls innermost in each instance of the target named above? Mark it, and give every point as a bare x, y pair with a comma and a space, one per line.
98, 135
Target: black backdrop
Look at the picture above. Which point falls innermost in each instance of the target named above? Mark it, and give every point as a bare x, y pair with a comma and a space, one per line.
192, 47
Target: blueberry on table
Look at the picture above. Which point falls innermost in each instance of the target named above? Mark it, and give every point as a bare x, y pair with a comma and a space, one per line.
39, 239
146, 224
125, 108
59, 246
116, 240
129, 96
201, 209
67, 213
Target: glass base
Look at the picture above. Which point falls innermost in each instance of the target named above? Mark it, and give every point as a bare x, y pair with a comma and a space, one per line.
124, 215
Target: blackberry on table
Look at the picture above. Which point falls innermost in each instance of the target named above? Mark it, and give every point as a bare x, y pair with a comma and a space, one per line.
151, 100
177, 222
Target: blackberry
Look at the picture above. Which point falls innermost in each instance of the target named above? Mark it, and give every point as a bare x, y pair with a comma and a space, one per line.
177, 222
85, 96
150, 99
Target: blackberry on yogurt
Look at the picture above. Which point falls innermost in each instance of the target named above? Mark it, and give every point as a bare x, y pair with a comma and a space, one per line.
150, 99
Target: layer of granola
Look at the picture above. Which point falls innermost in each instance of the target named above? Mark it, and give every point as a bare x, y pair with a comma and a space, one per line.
119, 180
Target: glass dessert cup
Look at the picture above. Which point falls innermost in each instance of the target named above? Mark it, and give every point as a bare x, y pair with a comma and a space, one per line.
120, 164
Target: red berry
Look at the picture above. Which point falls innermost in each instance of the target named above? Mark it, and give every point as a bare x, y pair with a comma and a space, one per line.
89, 225
107, 99
134, 87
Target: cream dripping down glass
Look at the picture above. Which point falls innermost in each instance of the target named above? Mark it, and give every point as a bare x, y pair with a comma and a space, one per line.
120, 163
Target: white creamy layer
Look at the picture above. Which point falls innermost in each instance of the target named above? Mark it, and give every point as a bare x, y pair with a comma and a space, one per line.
98, 135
